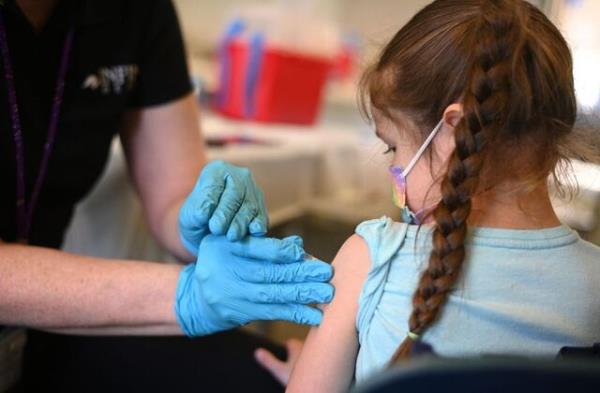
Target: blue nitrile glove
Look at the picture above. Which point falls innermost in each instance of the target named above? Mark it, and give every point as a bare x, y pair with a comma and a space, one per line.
257, 278
225, 200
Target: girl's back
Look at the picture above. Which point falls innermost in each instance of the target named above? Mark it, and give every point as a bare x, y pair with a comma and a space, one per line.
527, 292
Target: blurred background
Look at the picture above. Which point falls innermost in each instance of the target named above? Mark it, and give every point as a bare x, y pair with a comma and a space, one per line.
276, 81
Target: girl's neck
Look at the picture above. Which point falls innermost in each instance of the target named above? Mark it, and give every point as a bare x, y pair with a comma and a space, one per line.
503, 207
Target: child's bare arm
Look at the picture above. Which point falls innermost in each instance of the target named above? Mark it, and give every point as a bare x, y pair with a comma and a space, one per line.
329, 355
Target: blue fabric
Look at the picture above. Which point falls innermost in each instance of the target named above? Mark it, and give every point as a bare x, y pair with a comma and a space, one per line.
527, 292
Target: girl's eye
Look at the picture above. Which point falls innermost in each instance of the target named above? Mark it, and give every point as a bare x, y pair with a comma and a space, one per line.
389, 150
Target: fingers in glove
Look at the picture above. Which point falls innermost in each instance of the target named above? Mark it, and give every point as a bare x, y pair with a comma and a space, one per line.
206, 198
260, 223
230, 203
297, 272
300, 314
306, 293
240, 224
269, 249
297, 240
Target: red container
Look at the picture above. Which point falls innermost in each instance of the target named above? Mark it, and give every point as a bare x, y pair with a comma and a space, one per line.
288, 89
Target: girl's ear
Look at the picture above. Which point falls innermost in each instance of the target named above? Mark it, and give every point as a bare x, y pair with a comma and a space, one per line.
452, 115
444, 142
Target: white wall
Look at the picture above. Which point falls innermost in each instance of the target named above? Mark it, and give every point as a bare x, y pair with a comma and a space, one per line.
377, 20
578, 20
374, 20
203, 20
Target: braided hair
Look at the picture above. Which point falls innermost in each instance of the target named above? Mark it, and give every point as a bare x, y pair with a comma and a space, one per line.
519, 108
486, 102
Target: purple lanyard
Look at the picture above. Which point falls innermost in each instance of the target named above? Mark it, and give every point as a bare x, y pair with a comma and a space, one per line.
25, 210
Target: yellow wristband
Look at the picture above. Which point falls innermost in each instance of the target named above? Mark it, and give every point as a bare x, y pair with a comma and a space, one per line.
413, 336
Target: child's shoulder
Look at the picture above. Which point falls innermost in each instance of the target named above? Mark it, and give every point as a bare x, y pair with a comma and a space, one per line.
367, 234
372, 246
376, 224
383, 237
380, 228
352, 260
588, 252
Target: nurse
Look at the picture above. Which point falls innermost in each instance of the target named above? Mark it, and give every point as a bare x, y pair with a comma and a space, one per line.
74, 73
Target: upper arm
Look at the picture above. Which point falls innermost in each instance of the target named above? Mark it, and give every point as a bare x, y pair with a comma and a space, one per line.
329, 355
164, 152
160, 132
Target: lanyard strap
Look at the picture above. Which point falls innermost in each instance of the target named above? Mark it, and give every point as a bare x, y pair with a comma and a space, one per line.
25, 210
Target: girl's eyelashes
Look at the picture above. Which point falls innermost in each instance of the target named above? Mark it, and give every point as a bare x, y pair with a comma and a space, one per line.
390, 149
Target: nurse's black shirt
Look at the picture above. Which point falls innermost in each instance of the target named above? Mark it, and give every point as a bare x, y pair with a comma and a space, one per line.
126, 54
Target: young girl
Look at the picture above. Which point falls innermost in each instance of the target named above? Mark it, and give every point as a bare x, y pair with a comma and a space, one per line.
475, 100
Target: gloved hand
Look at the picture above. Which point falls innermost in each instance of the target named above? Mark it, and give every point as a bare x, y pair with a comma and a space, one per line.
225, 200
234, 283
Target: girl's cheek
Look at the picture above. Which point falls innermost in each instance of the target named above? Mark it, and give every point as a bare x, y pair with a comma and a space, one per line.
403, 154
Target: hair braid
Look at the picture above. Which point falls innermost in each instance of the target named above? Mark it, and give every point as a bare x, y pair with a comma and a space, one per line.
487, 110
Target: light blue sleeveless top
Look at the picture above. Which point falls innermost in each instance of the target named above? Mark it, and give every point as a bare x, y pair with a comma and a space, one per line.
527, 292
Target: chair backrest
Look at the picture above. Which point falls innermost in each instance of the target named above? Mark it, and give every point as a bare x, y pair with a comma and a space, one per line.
581, 353
513, 375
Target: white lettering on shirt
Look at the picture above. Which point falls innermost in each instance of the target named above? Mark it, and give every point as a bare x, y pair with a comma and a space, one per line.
112, 80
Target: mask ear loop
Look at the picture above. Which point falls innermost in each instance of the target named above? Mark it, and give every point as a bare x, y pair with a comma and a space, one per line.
421, 150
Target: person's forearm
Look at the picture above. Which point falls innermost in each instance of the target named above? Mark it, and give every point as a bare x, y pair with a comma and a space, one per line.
54, 290
151, 330
168, 233
165, 153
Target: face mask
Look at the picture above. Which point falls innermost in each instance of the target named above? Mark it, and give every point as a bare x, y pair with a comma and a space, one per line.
399, 175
